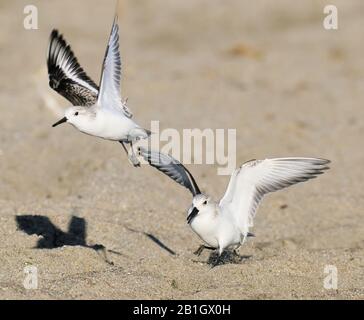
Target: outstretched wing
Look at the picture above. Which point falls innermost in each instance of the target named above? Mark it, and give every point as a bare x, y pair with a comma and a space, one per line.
172, 168
254, 179
66, 76
109, 94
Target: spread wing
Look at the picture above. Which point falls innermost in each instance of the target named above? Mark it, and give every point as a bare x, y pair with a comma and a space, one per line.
66, 76
254, 179
172, 168
109, 94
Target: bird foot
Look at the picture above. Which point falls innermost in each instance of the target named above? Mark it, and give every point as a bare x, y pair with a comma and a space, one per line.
134, 160
216, 262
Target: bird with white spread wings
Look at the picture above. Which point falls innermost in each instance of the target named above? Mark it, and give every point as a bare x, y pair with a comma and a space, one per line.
97, 111
226, 224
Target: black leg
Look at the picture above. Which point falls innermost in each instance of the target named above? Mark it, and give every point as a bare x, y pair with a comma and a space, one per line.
122, 143
236, 254
201, 249
134, 160
235, 251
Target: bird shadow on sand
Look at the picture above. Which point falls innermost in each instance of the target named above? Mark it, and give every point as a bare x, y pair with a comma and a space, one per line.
153, 238
53, 237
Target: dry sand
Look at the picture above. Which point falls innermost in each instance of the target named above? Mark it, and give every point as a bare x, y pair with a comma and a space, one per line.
268, 69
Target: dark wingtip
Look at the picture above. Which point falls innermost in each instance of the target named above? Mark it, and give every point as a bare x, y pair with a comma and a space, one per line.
327, 161
54, 33
323, 161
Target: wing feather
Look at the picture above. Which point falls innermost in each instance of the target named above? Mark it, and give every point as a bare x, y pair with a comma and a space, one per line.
109, 94
256, 178
172, 168
66, 76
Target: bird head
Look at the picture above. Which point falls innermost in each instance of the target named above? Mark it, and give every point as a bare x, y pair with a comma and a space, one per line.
201, 204
77, 116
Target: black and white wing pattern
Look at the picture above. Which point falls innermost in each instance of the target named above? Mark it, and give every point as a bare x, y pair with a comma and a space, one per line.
172, 168
66, 76
255, 178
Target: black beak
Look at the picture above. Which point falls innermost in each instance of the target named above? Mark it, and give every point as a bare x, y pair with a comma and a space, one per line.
193, 214
60, 122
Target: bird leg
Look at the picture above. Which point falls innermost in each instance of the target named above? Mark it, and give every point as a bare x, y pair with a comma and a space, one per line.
201, 249
133, 158
235, 251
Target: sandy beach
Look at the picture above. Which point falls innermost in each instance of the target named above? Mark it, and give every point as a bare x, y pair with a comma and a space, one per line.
96, 228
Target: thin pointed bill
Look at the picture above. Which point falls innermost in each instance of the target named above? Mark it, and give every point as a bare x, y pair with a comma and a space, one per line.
59, 122
192, 214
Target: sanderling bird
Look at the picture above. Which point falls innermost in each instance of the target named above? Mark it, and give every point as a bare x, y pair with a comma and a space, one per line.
97, 111
225, 224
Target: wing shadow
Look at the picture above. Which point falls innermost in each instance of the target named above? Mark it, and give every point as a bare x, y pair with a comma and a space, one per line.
53, 237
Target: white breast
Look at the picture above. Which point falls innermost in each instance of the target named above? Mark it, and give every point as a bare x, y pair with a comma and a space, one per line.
216, 229
206, 227
110, 126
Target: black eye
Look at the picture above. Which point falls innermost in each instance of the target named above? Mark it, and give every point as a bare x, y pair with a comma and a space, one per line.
205, 202
76, 113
